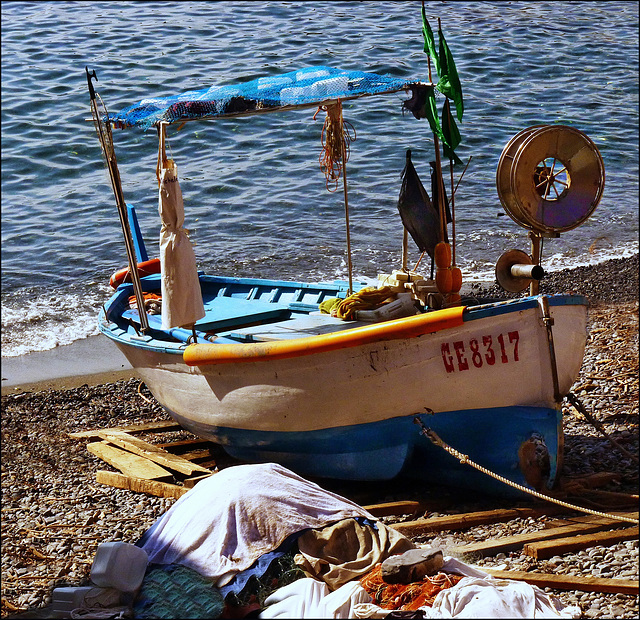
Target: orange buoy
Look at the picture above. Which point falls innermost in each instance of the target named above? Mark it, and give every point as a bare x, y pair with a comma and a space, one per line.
444, 280
146, 268
456, 279
442, 255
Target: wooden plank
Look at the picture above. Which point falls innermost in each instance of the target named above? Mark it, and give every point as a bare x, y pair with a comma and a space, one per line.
567, 582
511, 543
162, 425
139, 485
196, 454
127, 463
175, 446
394, 508
472, 519
588, 481
151, 452
611, 498
211, 465
546, 549
585, 519
189, 483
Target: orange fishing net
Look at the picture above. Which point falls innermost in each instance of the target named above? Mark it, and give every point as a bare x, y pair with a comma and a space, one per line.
336, 132
406, 597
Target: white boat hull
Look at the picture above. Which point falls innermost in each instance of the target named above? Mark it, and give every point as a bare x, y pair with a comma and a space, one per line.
373, 382
480, 373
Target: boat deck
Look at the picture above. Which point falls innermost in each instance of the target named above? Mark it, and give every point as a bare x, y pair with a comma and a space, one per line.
296, 327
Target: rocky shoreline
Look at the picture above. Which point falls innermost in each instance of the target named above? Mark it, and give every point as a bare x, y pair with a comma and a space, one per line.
54, 514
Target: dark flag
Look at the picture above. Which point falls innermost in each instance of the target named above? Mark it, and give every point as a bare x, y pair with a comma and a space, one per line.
435, 192
418, 215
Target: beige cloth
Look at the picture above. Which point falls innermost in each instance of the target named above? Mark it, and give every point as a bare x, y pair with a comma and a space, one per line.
347, 550
181, 295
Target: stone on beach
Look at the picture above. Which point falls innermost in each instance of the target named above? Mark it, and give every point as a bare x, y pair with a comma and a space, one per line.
412, 565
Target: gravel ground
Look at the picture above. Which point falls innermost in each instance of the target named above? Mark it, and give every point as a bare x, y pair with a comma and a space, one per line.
54, 514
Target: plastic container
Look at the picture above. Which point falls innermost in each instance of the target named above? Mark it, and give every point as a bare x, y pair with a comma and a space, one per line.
404, 305
65, 600
119, 565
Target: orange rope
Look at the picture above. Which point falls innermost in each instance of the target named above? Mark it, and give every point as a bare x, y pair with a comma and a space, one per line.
335, 132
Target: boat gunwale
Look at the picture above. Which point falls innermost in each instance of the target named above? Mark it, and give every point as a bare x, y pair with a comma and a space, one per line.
228, 350
395, 329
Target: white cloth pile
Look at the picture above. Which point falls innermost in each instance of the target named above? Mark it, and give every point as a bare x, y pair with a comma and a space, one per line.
228, 521
476, 596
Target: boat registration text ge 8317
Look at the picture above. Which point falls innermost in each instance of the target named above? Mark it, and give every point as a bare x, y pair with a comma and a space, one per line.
460, 355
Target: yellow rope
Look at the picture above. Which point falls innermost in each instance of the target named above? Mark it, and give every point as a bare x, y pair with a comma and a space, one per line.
365, 299
465, 460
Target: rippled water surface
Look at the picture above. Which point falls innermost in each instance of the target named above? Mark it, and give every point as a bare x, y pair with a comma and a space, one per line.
255, 198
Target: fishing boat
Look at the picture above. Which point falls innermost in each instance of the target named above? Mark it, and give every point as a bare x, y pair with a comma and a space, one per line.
339, 379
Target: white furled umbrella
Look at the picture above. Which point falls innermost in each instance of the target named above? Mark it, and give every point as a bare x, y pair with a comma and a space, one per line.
181, 295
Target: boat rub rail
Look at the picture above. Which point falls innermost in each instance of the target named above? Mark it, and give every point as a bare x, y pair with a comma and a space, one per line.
406, 327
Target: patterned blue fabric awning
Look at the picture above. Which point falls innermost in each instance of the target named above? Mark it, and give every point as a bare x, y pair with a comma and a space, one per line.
306, 87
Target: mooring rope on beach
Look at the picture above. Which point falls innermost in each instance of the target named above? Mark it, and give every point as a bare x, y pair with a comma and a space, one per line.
465, 460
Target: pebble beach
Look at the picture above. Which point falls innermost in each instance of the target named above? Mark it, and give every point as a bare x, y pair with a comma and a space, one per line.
54, 513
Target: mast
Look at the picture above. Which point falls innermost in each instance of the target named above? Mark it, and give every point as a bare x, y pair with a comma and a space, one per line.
103, 129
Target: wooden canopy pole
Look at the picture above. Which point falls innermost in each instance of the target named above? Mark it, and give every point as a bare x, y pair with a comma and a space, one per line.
405, 248
346, 198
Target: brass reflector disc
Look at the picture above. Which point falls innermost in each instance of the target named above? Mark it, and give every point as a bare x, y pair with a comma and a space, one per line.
550, 178
503, 175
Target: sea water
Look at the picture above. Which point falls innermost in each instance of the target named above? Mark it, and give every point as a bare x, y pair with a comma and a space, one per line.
256, 201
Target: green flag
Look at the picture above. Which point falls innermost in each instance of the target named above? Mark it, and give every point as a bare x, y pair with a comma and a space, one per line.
429, 41
451, 133
449, 84
431, 112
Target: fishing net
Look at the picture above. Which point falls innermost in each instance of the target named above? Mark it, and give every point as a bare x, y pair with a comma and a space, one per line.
406, 597
337, 136
306, 87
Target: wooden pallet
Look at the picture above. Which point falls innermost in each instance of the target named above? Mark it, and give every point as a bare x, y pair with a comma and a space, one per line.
584, 532
166, 469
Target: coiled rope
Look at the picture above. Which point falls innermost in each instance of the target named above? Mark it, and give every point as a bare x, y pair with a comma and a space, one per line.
465, 460
365, 299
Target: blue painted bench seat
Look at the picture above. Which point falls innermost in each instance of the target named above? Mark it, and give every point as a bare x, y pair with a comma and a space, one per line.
298, 327
223, 313
226, 312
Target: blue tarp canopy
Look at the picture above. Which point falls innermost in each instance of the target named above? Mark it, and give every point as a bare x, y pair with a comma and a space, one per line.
306, 87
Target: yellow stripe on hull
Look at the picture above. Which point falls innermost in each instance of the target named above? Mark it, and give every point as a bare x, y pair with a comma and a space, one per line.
407, 327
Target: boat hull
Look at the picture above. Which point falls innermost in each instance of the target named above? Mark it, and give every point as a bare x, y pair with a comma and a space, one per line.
349, 413
389, 448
